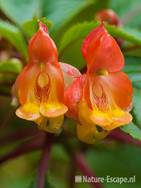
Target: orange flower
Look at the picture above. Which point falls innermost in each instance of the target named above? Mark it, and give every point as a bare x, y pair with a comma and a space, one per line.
40, 86
101, 98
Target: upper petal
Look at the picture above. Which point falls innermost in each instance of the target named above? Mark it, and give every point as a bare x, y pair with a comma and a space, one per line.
41, 47
101, 51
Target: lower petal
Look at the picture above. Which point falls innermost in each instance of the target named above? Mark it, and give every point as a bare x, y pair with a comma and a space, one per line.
51, 110
52, 125
111, 119
89, 133
28, 111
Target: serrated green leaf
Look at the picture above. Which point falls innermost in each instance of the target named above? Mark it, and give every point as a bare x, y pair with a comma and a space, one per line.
79, 31
133, 130
14, 36
20, 11
11, 65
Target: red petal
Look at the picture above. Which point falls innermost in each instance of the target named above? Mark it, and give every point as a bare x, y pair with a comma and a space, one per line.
121, 88
26, 83
72, 96
101, 51
70, 73
42, 48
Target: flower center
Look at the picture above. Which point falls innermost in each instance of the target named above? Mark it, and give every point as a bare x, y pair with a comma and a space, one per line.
43, 80
102, 72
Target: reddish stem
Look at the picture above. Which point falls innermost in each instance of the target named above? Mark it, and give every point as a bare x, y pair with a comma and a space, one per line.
85, 169
44, 161
24, 148
123, 137
23, 134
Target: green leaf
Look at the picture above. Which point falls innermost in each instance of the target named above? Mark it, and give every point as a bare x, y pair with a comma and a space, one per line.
128, 34
129, 11
133, 130
20, 11
34, 184
116, 160
75, 33
14, 36
11, 65
79, 31
31, 26
137, 107
63, 10
132, 68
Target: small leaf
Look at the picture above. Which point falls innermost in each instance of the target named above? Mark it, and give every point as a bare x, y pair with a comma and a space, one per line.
14, 36
132, 130
11, 65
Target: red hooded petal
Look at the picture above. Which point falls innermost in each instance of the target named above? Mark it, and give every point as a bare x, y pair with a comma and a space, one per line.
101, 51
41, 47
72, 97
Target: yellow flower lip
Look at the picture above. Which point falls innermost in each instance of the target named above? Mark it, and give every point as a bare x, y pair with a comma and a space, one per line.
102, 72
51, 110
